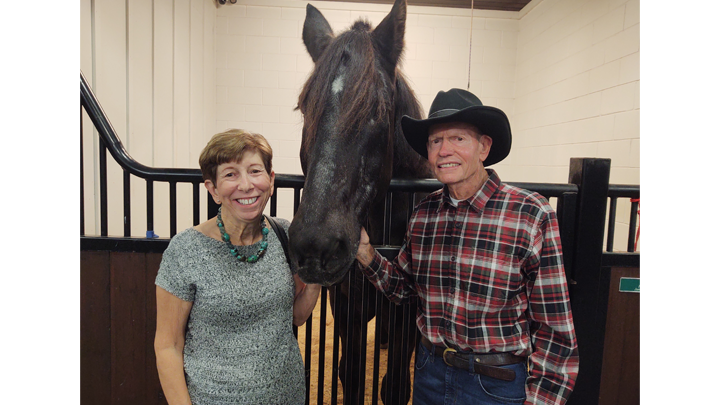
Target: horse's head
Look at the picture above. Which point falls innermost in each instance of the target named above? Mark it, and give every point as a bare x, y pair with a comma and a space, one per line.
347, 143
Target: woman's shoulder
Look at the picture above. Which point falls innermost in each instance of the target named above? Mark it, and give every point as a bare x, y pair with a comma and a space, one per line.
187, 235
184, 239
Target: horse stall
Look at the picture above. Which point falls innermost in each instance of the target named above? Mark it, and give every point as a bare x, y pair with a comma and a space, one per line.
118, 300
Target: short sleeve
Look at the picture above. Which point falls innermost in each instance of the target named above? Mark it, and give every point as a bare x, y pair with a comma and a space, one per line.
173, 276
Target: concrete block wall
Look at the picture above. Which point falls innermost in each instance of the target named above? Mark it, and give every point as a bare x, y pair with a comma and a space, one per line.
577, 89
566, 72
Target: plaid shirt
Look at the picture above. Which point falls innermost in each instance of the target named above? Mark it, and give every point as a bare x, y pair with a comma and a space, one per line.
489, 277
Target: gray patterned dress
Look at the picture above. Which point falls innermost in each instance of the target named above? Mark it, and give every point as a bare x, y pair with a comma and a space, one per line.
239, 344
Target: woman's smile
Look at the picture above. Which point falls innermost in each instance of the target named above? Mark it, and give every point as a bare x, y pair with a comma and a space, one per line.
246, 201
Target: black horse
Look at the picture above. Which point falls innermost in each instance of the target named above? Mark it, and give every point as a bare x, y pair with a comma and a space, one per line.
352, 145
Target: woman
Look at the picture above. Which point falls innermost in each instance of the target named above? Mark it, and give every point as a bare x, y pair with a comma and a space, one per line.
226, 298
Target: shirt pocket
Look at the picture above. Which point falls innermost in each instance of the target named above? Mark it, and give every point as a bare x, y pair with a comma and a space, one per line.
493, 283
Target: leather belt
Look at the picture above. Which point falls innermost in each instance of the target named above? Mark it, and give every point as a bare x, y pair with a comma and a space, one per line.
485, 364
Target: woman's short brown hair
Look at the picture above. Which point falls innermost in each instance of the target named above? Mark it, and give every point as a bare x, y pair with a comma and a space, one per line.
229, 146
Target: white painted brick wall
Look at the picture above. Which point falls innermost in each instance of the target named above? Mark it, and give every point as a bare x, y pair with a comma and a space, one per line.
565, 71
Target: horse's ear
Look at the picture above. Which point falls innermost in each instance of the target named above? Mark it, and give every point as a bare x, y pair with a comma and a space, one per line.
389, 34
317, 33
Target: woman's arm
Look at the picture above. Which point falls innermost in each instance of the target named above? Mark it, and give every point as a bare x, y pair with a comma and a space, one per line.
172, 316
306, 296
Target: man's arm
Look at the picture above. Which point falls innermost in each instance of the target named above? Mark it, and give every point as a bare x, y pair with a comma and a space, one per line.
392, 279
554, 363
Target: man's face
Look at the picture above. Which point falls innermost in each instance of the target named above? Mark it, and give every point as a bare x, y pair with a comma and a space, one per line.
456, 152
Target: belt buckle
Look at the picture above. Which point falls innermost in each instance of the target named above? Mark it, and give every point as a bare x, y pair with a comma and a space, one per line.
446, 351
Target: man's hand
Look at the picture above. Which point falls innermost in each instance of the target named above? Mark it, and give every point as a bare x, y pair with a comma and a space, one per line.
365, 251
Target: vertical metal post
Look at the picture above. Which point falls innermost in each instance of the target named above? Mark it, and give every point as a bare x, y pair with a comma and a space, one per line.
173, 208
321, 352
611, 225
126, 203
103, 190
308, 356
592, 178
150, 231
82, 179
196, 203
273, 203
567, 219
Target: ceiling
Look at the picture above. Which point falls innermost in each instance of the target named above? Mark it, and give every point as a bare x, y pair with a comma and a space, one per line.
504, 5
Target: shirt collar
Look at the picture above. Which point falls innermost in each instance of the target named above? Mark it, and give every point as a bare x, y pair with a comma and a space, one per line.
478, 201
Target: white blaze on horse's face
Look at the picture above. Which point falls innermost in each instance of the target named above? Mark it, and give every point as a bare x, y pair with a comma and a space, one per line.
338, 84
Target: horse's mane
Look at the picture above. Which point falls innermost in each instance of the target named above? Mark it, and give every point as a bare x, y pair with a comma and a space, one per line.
365, 96
406, 162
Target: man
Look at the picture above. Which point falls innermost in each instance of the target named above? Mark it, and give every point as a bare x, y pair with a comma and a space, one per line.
485, 261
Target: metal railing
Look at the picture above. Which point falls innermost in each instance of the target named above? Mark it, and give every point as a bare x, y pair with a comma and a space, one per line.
172, 176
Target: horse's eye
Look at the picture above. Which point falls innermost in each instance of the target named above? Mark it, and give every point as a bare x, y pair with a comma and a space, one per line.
345, 58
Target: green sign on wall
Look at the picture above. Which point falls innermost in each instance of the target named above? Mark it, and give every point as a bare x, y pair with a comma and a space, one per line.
628, 284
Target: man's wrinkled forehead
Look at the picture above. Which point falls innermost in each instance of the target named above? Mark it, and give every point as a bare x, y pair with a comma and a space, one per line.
454, 126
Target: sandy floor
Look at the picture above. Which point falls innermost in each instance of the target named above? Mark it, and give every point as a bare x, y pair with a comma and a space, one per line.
327, 383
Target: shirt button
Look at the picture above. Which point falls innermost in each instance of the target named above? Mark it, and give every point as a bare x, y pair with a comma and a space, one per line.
452, 258
458, 224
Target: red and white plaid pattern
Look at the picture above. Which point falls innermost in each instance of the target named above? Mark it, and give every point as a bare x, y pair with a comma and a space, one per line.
489, 277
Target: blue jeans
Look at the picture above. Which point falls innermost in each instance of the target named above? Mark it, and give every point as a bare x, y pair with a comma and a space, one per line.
437, 383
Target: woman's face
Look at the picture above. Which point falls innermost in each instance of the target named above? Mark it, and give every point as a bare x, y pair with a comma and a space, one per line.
242, 188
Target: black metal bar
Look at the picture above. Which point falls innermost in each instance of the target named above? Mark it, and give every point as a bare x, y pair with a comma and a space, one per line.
387, 218
378, 340
321, 351
296, 199
349, 340
390, 373
633, 226
82, 180
624, 191
611, 224
273, 203
126, 203
196, 202
123, 244
308, 356
149, 204
102, 160
592, 177
620, 259
365, 308
428, 185
567, 219
117, 150
173, 208
336, 346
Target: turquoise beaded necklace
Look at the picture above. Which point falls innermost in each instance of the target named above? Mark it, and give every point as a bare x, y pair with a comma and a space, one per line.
234, 250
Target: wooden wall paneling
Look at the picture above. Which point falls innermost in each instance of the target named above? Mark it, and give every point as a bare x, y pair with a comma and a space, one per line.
95, 327
620, 378
154, 390
128, 320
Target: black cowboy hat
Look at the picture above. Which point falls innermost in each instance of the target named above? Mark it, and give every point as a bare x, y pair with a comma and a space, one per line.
457, 105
